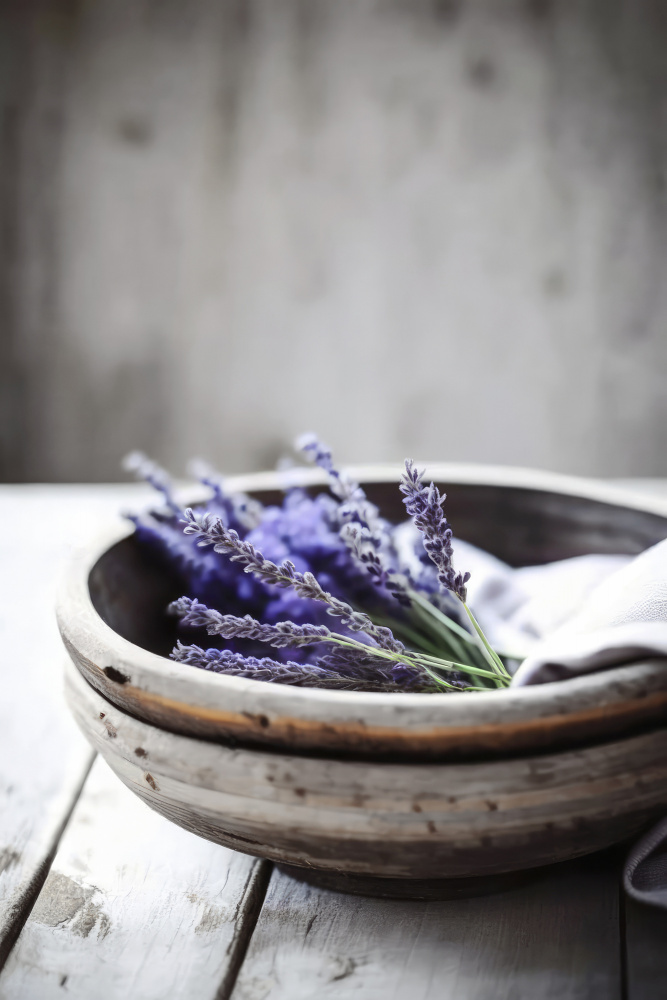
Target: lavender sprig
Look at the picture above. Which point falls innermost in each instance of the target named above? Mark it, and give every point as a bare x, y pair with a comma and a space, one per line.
223, 661
238, 506
424, 505
342, 485
361, 527
145, 468
211, 531
363, 545
197, 615
355, 505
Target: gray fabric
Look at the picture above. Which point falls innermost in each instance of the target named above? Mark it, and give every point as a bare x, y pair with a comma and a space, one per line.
645, 875
622, 619
576, 617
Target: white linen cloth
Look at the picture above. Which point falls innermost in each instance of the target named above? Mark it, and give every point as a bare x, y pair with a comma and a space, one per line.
573, 617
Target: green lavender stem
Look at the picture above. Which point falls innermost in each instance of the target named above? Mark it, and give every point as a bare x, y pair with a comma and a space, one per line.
496, 663
432, 615
442, 618
427, 663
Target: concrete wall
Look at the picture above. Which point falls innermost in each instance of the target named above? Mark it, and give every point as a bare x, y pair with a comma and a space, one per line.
429, 227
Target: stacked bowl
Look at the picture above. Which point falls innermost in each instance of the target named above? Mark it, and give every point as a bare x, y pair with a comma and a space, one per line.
391, 794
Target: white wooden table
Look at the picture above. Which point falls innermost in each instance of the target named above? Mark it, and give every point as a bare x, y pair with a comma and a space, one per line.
101, 898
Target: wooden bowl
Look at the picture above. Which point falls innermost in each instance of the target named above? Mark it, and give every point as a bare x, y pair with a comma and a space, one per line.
111, 616
387, 820
388, 788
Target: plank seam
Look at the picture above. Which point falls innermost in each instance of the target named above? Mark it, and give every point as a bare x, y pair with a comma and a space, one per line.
28, 896
248, 913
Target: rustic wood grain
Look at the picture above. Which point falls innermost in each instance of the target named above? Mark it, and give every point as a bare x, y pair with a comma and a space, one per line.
43, 760
425, 226
556, 939
134, 907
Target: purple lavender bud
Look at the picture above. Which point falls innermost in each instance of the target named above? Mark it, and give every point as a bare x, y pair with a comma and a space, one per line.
424, 505
196, 615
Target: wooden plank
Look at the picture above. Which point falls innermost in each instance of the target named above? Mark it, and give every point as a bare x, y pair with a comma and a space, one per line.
43, 758
555, 938
646, 955
134, 906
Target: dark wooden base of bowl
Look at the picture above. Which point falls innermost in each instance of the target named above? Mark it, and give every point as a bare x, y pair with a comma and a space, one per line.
408, 888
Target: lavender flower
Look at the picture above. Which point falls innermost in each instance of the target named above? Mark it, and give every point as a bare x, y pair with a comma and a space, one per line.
238, 508
196, 615
424, 505
144, 468
211, 531
342, 486
362, 529
223, 661
355, 505
363, 545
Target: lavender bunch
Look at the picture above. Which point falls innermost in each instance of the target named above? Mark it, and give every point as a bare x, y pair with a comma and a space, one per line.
287, 569
211, 531
299, 528
370, 540
355, 658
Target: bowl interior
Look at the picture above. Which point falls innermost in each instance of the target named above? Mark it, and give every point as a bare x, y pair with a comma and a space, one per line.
130, 586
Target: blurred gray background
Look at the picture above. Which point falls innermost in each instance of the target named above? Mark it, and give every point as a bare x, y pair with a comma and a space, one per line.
429, 227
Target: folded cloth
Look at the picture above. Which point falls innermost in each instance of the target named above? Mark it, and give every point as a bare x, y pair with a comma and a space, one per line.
575, 617
623, 619
517, 608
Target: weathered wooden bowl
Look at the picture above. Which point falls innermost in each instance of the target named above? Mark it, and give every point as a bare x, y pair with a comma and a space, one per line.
387, 786
412, 820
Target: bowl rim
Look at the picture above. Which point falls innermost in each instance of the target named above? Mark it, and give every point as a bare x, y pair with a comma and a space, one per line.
155, 684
